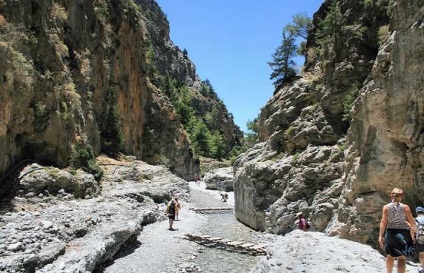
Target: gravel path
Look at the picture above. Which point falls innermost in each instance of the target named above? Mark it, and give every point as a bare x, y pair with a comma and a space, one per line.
159, 250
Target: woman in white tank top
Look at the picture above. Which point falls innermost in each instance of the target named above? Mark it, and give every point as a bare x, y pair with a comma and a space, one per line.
395, 237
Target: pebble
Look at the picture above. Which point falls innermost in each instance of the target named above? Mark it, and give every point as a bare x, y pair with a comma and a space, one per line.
15, 247
29, 195
46, 224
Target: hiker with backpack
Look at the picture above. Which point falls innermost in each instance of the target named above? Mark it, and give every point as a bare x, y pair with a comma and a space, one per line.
170, 210
395, 232
420, 236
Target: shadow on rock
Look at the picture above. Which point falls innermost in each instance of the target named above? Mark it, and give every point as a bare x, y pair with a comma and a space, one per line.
126, 249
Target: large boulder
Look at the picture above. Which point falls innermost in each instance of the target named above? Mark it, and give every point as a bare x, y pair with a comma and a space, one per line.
220, 179
35, 180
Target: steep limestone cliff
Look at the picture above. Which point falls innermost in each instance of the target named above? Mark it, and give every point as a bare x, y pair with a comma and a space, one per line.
313, 157
61, 62
386, 137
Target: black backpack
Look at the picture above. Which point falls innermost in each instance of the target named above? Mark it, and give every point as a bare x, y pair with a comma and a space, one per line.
171, 209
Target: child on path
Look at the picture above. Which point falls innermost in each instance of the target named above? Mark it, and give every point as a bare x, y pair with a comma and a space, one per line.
177, 209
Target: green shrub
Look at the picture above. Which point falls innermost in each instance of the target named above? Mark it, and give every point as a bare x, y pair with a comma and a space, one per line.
341, 146
367, 2
101, 9
289, 131
83, 158
383, 34
348, 103
40, 109
294, 159
354, 31
328, 31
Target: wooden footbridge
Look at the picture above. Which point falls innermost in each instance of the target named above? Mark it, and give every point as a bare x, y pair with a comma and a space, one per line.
213, 210
228, 245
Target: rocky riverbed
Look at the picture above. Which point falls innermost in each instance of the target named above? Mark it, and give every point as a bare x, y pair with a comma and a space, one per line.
119, 225
161, 250
48, 229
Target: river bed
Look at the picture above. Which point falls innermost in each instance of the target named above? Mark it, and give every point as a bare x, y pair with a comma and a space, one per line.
162, 251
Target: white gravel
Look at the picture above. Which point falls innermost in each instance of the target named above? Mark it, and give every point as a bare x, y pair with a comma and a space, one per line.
161, 250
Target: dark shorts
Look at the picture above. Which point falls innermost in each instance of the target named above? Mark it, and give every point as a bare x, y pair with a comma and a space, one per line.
171, 216
398, 242
420, 247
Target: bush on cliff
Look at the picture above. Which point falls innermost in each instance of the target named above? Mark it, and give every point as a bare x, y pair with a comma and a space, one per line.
83, 157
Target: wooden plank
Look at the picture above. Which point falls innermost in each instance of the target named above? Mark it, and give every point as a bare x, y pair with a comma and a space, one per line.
236, 243
247, 245
258, 246
239, 246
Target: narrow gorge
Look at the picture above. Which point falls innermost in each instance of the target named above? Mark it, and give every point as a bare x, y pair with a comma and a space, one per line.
103, 119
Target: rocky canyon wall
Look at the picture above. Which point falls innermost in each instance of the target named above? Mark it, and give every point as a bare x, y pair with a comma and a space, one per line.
314, 158
385, 139
62, 61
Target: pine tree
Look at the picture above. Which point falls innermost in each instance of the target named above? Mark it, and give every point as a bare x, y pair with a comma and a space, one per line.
301, 27
283, 66
199, 137
251, 136
217, 145
110, 128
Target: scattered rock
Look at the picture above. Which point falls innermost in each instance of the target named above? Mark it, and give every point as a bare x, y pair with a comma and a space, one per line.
55, 232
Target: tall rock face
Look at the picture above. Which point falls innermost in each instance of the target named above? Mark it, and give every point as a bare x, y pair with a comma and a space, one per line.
338, 167
62, 61
386, 136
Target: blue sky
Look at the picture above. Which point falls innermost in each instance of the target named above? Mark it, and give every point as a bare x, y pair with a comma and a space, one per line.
230, 43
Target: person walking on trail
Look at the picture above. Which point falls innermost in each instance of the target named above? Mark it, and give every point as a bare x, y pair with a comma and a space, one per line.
420, 236
170, 210
394, 236
177, 208
197, 178
301, 221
